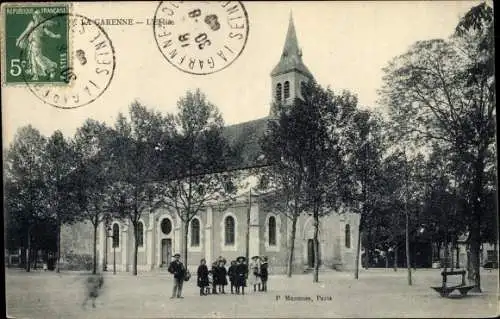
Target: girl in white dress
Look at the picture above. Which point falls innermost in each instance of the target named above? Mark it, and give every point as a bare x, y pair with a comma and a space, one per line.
254, 275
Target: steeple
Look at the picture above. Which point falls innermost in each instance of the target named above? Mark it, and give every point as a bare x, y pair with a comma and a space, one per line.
291, 44
291, 57
290, 73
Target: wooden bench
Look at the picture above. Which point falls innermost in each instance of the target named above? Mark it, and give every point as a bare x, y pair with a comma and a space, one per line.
444, 290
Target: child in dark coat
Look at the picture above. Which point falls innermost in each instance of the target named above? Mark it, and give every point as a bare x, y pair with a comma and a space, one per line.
264, 273
232, 275
241, 275
215, 278
202, 277
221, 275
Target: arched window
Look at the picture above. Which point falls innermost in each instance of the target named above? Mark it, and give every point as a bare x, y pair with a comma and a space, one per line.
278, 92
140, 234
166, 226
116, 236
287, 90
347, 236
229, 230
272, 231
195, 232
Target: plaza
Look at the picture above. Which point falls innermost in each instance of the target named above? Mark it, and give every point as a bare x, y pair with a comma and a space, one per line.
378, 293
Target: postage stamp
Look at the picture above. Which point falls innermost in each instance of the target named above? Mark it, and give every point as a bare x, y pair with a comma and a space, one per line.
201, 37
92, 69
36, 43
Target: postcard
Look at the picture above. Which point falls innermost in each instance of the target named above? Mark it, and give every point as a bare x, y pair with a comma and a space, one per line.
230, 159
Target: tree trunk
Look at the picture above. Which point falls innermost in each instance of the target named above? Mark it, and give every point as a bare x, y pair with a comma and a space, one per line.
475, 250
316, 248
387, 259
407, 235
105, 255
58, 248
468, 261
28, 251
134, 267
136, 248
23, 257
292, 245
396, 258
185, 242
94, 267
433, 248
358, 253
475, 236
35, 258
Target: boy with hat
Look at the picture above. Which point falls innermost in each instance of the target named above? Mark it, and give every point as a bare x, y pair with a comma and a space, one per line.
179, 271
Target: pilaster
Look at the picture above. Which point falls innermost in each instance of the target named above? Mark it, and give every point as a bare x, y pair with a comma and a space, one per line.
254, 249
208, 235
288, 233
102, 238
124, 246
177, 236
149, 241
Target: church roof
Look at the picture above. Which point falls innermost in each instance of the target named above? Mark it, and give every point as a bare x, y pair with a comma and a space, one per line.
291, 57
245, 137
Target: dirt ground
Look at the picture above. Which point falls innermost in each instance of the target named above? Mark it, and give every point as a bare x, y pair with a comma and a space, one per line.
377, 293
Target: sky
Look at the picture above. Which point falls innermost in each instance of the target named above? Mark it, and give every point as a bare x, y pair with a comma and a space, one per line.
345, 45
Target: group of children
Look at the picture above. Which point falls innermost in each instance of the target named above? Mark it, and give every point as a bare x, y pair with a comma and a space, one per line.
238, 273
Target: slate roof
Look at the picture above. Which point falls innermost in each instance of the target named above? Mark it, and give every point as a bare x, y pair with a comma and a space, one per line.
245, 137
291, 57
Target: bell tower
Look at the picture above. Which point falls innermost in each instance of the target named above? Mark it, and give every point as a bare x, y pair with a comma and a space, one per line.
290, 72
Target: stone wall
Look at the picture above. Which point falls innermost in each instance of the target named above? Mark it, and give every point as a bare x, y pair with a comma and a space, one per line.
77, 238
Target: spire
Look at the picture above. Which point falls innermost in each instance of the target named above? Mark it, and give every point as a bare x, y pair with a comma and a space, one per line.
291, 43
291, 57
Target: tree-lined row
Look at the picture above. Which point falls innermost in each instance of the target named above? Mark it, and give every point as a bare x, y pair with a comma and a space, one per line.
145, 161
441, 95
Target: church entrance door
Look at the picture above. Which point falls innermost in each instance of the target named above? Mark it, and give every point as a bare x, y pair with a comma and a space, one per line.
166, 251
310, 253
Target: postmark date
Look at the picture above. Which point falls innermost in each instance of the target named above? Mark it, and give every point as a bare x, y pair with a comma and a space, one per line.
203, 38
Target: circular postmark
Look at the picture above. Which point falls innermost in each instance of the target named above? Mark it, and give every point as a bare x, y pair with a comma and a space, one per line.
89, 63
201, 37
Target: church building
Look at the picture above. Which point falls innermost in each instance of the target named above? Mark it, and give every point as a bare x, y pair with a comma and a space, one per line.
221, 231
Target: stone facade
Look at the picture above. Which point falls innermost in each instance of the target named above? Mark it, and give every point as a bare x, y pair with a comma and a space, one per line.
336, 252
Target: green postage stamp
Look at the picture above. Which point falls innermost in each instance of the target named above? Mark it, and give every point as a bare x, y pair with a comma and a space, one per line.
36, 43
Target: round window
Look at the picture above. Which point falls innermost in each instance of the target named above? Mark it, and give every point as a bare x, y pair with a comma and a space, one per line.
166, 226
